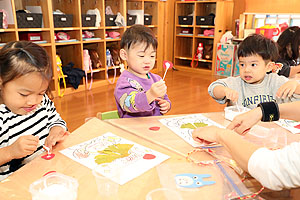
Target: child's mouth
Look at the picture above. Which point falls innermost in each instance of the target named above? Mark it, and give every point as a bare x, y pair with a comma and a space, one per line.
248, 78
28, 109
146, 67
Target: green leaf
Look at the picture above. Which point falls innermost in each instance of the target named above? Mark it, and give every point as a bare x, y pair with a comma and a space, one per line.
112, 153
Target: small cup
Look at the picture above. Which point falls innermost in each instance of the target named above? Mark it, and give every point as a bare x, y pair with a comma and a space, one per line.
163, 194
54, 186
107, 188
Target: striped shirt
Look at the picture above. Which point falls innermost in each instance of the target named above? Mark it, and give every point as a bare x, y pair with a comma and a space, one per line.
37, 123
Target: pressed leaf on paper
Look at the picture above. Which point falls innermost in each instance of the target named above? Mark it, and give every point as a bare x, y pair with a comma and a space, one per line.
112, 153
193, 125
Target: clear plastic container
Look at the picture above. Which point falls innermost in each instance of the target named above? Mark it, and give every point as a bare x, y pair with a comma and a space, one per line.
54, 186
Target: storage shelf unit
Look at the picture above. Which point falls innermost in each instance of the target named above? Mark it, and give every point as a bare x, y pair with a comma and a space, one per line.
185, 45
73, 51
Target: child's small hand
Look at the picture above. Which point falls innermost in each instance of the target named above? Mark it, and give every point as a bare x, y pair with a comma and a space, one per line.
231, 94
23, 146
164, 105
287, 89
56, 134
158, 89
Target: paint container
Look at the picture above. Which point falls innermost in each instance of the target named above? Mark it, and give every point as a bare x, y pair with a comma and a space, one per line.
54, 186
232, 111
107, 189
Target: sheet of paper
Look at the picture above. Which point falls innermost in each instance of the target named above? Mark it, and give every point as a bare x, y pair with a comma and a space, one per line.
115, 154
291, 125
184, 126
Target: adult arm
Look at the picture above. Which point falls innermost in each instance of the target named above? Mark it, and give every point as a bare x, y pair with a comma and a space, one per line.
273, 169
245, 121
240, 149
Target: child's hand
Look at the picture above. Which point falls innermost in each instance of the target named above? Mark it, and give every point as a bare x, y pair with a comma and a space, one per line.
164, 105
56, 134
23, 146
158, 89
231, 94
287, 89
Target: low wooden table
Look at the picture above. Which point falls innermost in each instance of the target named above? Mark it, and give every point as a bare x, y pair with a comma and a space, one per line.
17, 185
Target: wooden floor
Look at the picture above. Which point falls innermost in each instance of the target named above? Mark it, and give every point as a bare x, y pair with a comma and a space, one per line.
187, 92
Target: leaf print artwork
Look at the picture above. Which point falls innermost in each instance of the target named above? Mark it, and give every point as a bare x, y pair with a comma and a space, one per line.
112, 153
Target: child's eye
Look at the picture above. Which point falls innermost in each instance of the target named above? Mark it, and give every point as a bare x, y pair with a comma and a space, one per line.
242, 65
253, 65
23, 95
141, 56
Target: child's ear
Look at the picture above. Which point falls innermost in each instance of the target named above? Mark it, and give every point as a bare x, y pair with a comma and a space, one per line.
123, 54
271, 67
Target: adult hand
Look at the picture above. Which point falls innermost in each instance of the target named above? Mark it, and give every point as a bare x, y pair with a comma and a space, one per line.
243, 122
163, 104
206, 134
287, 89
23, 146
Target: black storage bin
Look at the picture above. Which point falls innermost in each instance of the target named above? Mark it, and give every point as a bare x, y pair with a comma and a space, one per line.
185, 20
147, 19
131, 19
65, 20
29, 20
1, 19
88, 20
110, 20
205, 20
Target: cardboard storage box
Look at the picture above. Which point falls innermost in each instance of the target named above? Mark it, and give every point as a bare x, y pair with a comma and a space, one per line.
88, 20
205, 20
147, 19
110, 20
30, 36
65, 20
131, 19
185, 20
29, 20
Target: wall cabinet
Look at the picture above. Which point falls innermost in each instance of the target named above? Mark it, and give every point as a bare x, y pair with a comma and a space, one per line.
72, 51
199, 22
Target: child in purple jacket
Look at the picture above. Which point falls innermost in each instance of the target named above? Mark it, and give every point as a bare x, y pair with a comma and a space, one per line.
138, 92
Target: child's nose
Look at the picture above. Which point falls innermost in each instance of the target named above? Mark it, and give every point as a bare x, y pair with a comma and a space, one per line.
147, 59
33, 100
247, 68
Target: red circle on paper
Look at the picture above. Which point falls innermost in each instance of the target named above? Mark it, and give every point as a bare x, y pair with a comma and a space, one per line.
149, 156
154, 128
48, 156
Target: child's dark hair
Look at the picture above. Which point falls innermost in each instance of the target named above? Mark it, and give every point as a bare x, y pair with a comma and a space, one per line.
295, 45
138, 34
22, 57
286, 41
260, 45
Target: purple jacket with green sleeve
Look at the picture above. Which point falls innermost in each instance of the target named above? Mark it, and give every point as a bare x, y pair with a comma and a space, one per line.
130, 95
